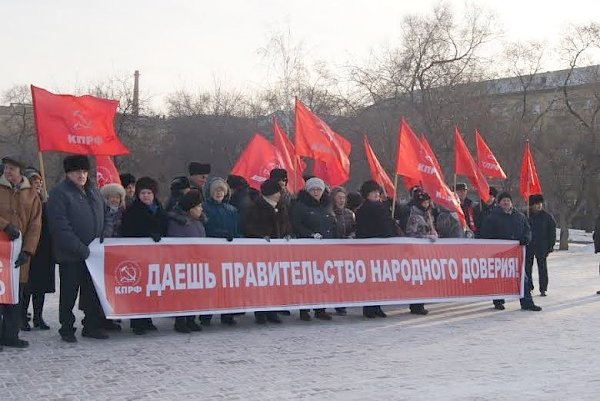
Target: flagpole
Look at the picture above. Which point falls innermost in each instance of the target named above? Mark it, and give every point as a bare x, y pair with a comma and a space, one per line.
395, 192
295, 172
454, 187
43, 173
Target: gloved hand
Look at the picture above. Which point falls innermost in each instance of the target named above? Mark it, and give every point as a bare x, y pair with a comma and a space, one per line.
102, 239
469, 234
229, 237
317, 236
22, 259
267, 238
523, 242
155, 237
432, 238
12, 232
287, 237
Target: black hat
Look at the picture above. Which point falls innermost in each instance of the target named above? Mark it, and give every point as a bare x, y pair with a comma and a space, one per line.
422, 196
414, 189
493, 192
269, 187
236, 182
504, 195
278, 174
146, 183
353, 200
190, 200
535, 199
461, 186
127, 179
76, 162
180, 183
195, 168
369, 186
15, 160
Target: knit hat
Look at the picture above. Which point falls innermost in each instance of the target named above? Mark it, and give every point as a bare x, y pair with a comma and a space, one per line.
218, 183
76, 162
236, 182
31, 172
278, 174
127, 179
180, 183
113, 189
146, 183
535, 199
504, 195
314, 183
370, 186
198, 168
269, 187
190, 200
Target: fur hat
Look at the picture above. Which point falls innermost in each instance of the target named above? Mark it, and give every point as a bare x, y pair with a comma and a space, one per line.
422, 197
236, 182
278, 174
190, 200
180, 183
535, 199
354, 200
113, 189
314, 183
504, 195
76, 162
146, 183
127, 179
370, 186
195, 168
414, 189
15, 160
269, 187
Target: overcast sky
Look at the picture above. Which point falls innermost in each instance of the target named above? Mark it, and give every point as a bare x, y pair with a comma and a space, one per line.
62, 45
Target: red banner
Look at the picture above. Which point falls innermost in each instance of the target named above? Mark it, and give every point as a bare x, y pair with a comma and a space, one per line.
256, 161
378, 173
106, 172
465, 165
529, 183
138, 278
9, 276
486, 160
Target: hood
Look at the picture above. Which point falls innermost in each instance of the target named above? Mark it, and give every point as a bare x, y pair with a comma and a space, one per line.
24, 185
308, 200
208, 184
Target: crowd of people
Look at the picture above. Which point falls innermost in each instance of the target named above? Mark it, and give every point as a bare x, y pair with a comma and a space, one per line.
57, 229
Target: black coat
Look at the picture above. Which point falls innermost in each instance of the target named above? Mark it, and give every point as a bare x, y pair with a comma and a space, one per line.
373, 220
481, 212
510, 226
597, 236
263, 220
543, 233
310, 217
42, 268
139, 221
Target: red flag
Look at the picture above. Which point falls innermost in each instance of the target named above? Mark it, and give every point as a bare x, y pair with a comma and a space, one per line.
257, 161
106, 172
486, 160
465, 165
529, 183
430, 152
75, 124
316, 140
416, 163
378, 174
286, 150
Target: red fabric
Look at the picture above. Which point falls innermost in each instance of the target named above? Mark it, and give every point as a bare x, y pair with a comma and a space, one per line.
465, 165
416, 163
316, 140
378, 174
256, 161
106, 172
432, 154
529, 183
75, 124
288, 154
486, 161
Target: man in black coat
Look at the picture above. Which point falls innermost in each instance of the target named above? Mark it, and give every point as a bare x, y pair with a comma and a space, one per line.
543, 238
76, 217
483, 209
506, 222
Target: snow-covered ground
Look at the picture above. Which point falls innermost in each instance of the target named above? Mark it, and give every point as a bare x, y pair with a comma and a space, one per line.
458, 352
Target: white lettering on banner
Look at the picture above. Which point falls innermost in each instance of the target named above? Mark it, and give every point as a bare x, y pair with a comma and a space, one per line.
487, 268
417, 275
2, 285
491, 166
84, 139
191, 276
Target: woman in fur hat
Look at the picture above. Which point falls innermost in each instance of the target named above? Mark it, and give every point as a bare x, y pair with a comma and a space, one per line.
145, 217
114, 198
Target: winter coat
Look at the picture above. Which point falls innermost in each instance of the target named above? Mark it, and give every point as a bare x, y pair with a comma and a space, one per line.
242, 202
467, 208
373, 220
420, 223
597, 236
264, 220
481, 211
346, 222
182, 225
311, 216
22, 208
76, 218
42, 267
448, 226
543, 233
510, 226
140, 221
114, 219
404, 212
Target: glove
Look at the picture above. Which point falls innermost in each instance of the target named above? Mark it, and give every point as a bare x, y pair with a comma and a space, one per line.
317, 236
287, 237
229, 237
550, 250
12, 232
469, 234
523, 242
155, 237
267, 238
22, 259
102, 239
432, 238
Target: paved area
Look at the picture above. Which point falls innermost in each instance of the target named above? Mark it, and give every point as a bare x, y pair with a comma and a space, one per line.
458, 352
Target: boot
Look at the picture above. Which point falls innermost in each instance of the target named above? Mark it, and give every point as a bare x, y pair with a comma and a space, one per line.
191, 324
341, 311
228, 320
260, 317
273, 318
379, 312
94, 333
304, 315
38, 323
369, 312
15, 343
181, 325
322, 314
418, 309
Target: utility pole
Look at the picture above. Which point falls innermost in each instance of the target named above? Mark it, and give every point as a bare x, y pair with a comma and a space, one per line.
136, 94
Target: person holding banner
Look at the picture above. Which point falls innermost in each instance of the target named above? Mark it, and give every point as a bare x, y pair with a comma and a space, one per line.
76, 218
20, 215
145, 217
